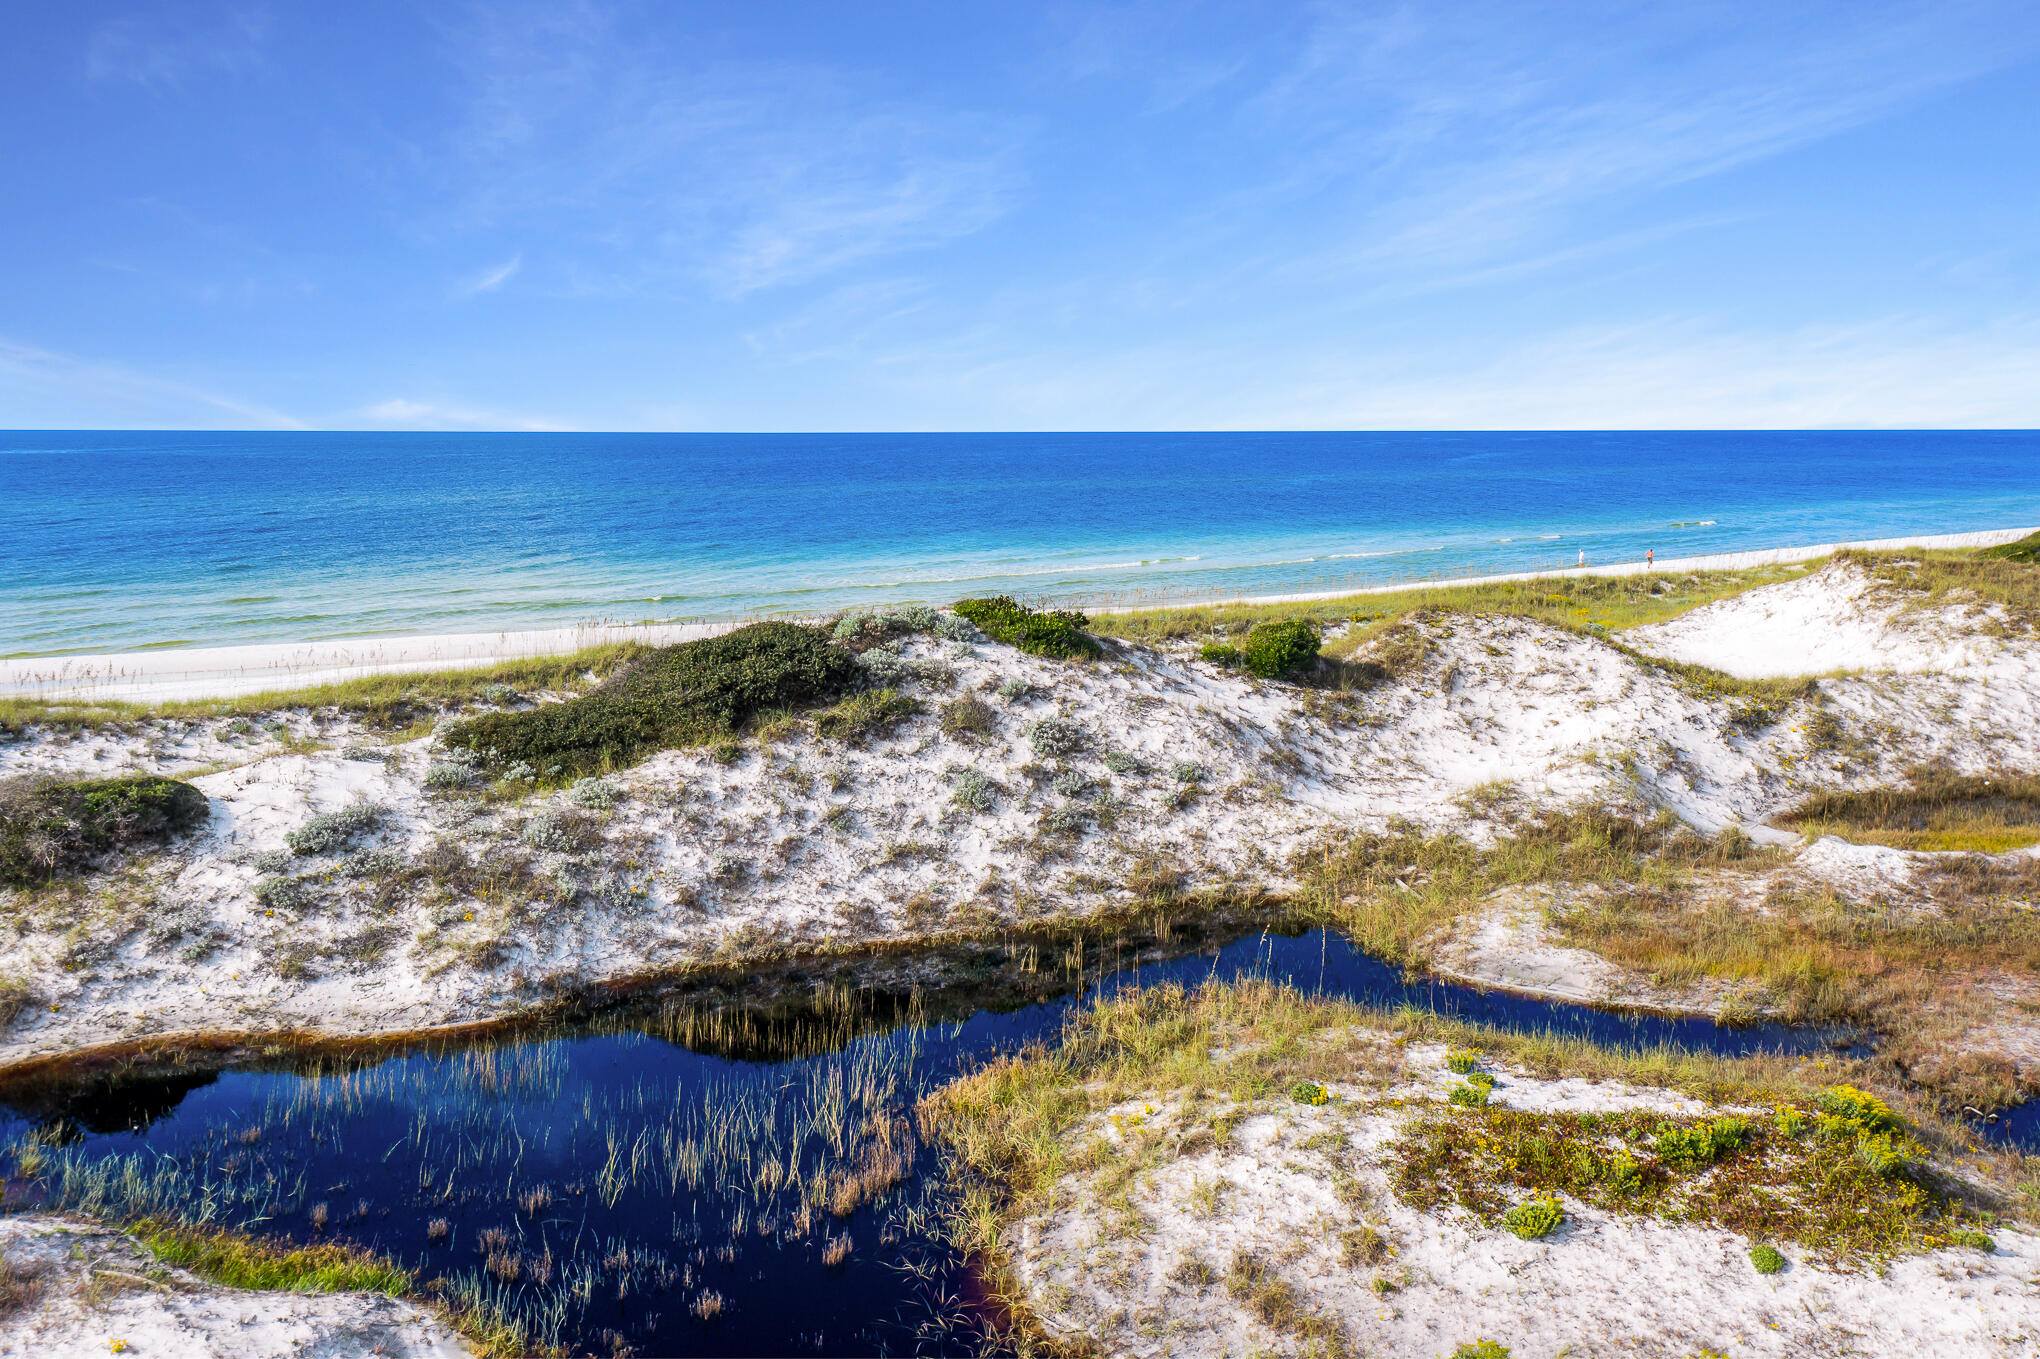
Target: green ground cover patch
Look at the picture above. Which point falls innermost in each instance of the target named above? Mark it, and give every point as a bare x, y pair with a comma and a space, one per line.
1841, 1185
689, 694
1042, 632
241, 1261
1270, 650
49, 826
2026, 549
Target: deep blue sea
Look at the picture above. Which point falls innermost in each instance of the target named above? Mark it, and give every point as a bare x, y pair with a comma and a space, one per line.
118, 541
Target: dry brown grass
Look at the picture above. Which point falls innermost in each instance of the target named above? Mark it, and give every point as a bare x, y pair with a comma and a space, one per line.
1938, 810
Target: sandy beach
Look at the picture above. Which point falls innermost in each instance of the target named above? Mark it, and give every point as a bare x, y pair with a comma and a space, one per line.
222, 672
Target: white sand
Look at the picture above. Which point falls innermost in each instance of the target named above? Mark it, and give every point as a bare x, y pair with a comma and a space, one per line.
814, 845
216, 672
1836, 619
1598, 1285
219, 672
94, 1286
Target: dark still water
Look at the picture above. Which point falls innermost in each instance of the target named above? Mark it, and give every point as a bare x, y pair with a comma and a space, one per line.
114, 541
684, 1181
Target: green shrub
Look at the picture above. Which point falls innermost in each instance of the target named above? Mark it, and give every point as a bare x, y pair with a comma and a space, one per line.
330, 831
1481, 1349
1462, 1060
1219, 653
973, 792
687, 694
1535, 1219
1468, 1094
1056, 632
860, 717
1623, 1175
1883, 1154
1974, 1240
1701, 1144
1276, 649
1850, 1110
1791, 1122
1766, 1260
1485, 1080
50, 825
1057, 738
1309, 1092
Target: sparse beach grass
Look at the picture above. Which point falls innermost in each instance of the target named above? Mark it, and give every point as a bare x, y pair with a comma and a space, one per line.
1093, 1123
1937, 810
1605, 603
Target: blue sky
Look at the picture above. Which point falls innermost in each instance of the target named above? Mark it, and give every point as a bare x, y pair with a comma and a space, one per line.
780, 216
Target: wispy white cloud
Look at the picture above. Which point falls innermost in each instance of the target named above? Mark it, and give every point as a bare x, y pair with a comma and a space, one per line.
42, 388
170, 46
491, 279
405, 413
661, 167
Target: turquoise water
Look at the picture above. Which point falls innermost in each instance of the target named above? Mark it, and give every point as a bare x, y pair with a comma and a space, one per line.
115, 541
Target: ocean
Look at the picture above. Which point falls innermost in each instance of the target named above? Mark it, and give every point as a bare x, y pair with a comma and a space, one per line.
124, 541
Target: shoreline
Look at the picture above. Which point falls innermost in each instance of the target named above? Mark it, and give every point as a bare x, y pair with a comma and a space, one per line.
174, 674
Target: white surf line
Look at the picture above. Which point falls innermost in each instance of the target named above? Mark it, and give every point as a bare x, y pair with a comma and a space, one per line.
225, 672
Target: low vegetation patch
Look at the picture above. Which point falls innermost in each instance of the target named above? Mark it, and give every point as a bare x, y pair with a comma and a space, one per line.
689, 694
332, 831
48, 826
1840, 1177
1270, 650
1055, 632
1606, 603
2026, 550
862, 716
241, 1261
1937, 810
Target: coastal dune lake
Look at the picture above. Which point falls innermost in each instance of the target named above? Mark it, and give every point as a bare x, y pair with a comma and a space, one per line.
112, 542
689, 1176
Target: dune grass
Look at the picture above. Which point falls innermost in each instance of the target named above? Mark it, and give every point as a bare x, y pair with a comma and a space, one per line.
1604, 603
1936, 811
1990, 576
242, 1261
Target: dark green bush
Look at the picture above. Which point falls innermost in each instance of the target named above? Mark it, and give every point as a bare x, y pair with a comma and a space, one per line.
687, 694
1276, 649
1056, 632
50, 825
1766, 1259
1219, 653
